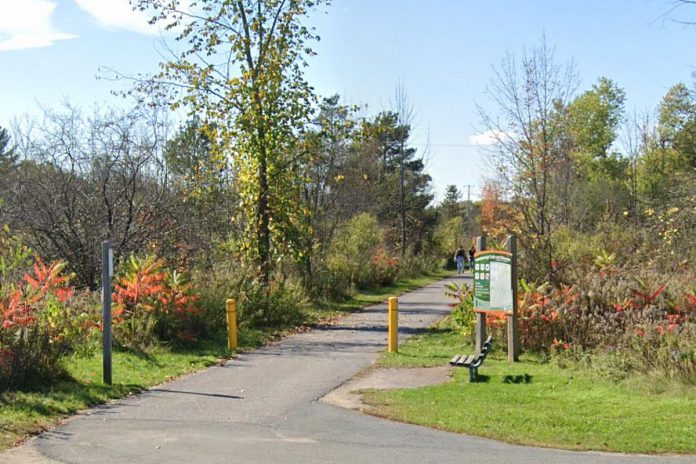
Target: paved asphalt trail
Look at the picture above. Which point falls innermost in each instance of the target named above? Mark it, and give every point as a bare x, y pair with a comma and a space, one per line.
263, 408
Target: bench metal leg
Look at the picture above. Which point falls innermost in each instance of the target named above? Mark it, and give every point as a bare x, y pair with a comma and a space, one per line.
473, 374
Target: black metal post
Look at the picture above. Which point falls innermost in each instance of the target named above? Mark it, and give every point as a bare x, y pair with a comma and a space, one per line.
107, 272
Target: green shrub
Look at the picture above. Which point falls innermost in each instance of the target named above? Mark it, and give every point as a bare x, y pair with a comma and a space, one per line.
659, 348
462, 318
353, 248
413, 265
329, 283
27, 357
15, 258
614, 365
278, 304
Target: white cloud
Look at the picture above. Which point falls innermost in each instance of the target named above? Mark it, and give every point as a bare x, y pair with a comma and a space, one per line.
118, 14
27, 24
489, 137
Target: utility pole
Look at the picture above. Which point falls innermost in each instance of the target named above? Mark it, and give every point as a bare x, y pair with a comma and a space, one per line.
402, 195
468, 206
468, 192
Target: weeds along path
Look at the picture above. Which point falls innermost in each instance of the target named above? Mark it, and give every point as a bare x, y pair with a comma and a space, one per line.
263, 408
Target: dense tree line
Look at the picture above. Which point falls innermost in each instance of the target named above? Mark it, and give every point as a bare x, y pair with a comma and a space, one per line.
71, 181
569, 163
262, 173
604, 204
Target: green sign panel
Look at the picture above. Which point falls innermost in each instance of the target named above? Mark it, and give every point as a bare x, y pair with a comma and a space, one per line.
493, 281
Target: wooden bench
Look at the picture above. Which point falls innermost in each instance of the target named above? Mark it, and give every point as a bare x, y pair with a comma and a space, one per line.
473, 362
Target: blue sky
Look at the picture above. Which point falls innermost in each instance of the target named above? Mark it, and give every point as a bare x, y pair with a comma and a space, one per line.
440, 50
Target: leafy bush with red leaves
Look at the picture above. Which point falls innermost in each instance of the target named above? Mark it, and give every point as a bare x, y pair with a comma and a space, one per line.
383, 268
645, 319
153, 304
39, 324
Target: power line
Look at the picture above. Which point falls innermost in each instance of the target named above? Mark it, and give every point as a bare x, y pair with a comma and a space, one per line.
453, 145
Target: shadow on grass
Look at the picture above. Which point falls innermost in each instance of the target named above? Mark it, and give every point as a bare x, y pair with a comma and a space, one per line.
140, 353
62, 398
437, 330
516, 379
480, 378
213, 346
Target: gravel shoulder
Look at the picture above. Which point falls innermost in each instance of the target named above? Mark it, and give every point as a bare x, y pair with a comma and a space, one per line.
349, 394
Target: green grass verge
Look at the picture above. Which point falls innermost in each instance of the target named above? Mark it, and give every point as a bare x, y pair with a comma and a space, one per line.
538, 403
27, 412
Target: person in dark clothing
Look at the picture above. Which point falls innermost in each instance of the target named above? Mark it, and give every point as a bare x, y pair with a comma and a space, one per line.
459, 258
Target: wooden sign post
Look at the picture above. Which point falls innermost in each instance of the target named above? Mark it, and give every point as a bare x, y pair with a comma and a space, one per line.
480, 317
513, 318
495, 291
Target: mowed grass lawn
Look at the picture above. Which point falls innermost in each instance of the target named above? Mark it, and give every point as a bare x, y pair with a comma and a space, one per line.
541, 404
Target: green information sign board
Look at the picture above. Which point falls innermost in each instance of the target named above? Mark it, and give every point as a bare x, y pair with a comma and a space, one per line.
493, 282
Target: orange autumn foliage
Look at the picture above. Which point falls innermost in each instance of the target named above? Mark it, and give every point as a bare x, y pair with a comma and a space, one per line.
498, 218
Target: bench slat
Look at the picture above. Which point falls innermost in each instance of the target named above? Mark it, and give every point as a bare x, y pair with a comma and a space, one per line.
456, 358
465, 360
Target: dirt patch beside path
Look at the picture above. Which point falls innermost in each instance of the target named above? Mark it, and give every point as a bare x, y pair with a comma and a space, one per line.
349, 394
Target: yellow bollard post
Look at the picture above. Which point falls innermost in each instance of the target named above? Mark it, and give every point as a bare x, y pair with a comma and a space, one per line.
231, 324
393, 325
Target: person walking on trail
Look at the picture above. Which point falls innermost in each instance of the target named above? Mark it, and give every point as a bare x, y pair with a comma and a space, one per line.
459, 257
472, 257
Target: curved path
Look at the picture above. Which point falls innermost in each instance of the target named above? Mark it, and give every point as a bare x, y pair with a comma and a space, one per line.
263, 408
